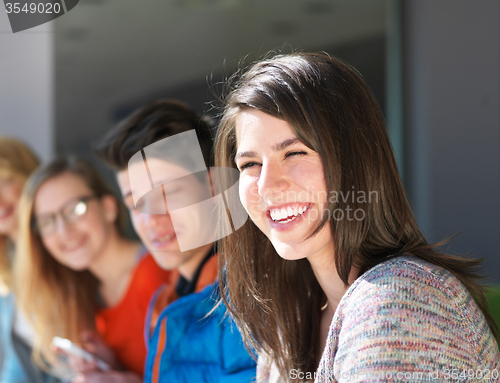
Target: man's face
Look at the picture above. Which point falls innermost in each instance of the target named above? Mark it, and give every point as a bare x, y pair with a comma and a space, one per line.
184, 223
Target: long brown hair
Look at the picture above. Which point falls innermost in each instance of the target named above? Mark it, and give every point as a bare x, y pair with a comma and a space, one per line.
277, 303
16, 158
57, 300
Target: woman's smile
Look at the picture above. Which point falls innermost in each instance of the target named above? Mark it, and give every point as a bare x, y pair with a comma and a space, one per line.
288, 216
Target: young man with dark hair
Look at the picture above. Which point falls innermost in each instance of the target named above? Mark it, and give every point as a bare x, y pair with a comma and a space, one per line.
161, 154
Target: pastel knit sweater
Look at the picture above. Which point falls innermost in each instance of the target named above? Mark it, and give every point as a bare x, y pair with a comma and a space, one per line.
405, 320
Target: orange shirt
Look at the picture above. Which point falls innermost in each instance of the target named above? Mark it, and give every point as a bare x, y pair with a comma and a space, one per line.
122, 326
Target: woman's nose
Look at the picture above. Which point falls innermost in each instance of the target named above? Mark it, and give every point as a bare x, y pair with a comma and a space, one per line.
61, 226
272, 180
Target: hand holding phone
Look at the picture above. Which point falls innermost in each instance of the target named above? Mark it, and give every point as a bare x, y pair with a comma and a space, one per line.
71, 349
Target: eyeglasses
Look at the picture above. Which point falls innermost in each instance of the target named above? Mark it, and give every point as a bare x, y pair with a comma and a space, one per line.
71, 212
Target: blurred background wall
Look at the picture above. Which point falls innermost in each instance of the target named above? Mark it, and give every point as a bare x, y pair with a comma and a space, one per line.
451, 55
434, 66
27, 85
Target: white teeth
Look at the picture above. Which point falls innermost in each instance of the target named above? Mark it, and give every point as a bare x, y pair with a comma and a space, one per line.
289, 213
276, 215
74, 245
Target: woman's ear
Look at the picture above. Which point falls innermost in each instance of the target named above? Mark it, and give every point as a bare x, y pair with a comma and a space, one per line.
110, 208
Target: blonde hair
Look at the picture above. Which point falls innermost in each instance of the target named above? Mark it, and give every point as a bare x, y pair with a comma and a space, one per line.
58, 301
16, 158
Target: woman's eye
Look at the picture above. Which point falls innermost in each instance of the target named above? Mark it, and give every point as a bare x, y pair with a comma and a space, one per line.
247, 165
297, 153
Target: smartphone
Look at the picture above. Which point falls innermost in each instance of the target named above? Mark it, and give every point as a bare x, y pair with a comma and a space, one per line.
71, 348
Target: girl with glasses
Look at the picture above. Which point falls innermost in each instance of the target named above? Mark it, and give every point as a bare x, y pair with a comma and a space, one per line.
332, 280
88, 282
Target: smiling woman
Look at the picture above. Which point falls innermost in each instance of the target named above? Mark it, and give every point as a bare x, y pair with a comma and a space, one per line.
17, 162
96, 282
329, 296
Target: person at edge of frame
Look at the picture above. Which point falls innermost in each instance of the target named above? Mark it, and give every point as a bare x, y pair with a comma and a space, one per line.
17, 162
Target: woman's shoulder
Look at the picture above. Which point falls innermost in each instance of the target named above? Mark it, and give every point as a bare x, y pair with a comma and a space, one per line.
406, 266
408, 277
407, 309
409, 283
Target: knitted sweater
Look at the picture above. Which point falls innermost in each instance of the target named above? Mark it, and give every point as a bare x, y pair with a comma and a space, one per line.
404, 320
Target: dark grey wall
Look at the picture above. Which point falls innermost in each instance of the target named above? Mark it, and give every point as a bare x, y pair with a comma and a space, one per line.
367, 56
452, 88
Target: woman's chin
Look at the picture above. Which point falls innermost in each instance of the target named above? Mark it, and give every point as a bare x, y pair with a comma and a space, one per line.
77, 265
287, 251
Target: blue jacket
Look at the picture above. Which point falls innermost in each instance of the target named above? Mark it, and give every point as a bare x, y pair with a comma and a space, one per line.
190, 345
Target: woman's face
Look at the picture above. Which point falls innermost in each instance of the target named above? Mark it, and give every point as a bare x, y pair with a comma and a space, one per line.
74, 225
11, 187
282, 185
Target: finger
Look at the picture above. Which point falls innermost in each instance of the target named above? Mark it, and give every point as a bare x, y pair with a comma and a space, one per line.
81, 365
90, 336
57, 350
90, 341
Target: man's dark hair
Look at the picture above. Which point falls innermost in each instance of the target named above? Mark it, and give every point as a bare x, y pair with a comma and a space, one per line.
151, 123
